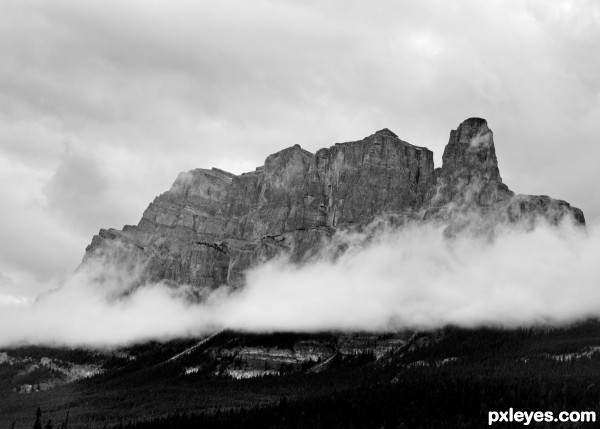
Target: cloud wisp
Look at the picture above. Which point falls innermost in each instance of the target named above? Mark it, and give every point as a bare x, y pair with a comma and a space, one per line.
413, 277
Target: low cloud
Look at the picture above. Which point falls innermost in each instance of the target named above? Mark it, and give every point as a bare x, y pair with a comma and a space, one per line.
413, 277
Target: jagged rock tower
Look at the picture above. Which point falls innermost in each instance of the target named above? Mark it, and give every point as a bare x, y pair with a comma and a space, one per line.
470, 165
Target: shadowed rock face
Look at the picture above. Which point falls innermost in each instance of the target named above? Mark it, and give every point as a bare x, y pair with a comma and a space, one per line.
211, 226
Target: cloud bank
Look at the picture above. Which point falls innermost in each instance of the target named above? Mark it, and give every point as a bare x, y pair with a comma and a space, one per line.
414, 277
102, 104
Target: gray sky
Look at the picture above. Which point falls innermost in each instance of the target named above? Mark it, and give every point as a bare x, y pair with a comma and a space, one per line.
102, 103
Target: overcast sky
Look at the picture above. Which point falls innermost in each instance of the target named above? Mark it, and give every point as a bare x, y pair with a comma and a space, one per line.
102, 103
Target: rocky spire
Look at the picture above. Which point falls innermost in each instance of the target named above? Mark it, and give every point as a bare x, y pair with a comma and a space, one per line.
469, 172
470, 150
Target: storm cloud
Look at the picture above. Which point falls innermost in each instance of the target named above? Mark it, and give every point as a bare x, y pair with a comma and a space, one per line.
103, 103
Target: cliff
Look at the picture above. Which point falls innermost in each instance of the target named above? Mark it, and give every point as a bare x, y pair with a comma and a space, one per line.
211, 225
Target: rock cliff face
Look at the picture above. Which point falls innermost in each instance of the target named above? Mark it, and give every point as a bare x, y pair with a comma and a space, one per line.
211, 225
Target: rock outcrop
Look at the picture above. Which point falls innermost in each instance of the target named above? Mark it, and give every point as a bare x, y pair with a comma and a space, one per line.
469, 173
211, 226
469, 182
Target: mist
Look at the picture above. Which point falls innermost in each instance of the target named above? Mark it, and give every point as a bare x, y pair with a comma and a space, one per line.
413, 277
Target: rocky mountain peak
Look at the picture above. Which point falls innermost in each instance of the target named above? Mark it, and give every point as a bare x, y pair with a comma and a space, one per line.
471, 149
211, 226
469, 128
386, 132
469, 172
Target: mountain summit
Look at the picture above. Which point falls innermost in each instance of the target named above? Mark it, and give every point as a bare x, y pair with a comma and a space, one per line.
470, 159
211, 226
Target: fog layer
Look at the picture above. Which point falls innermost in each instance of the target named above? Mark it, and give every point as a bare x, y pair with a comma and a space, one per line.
413, 277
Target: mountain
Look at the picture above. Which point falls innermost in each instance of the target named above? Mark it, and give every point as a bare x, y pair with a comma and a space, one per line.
211, 226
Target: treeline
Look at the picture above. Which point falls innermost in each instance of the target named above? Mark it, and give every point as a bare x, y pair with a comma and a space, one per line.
462, 374
446, 379
37, 424
424, 399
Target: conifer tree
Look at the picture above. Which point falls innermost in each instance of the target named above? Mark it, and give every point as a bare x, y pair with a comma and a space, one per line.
38, 419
